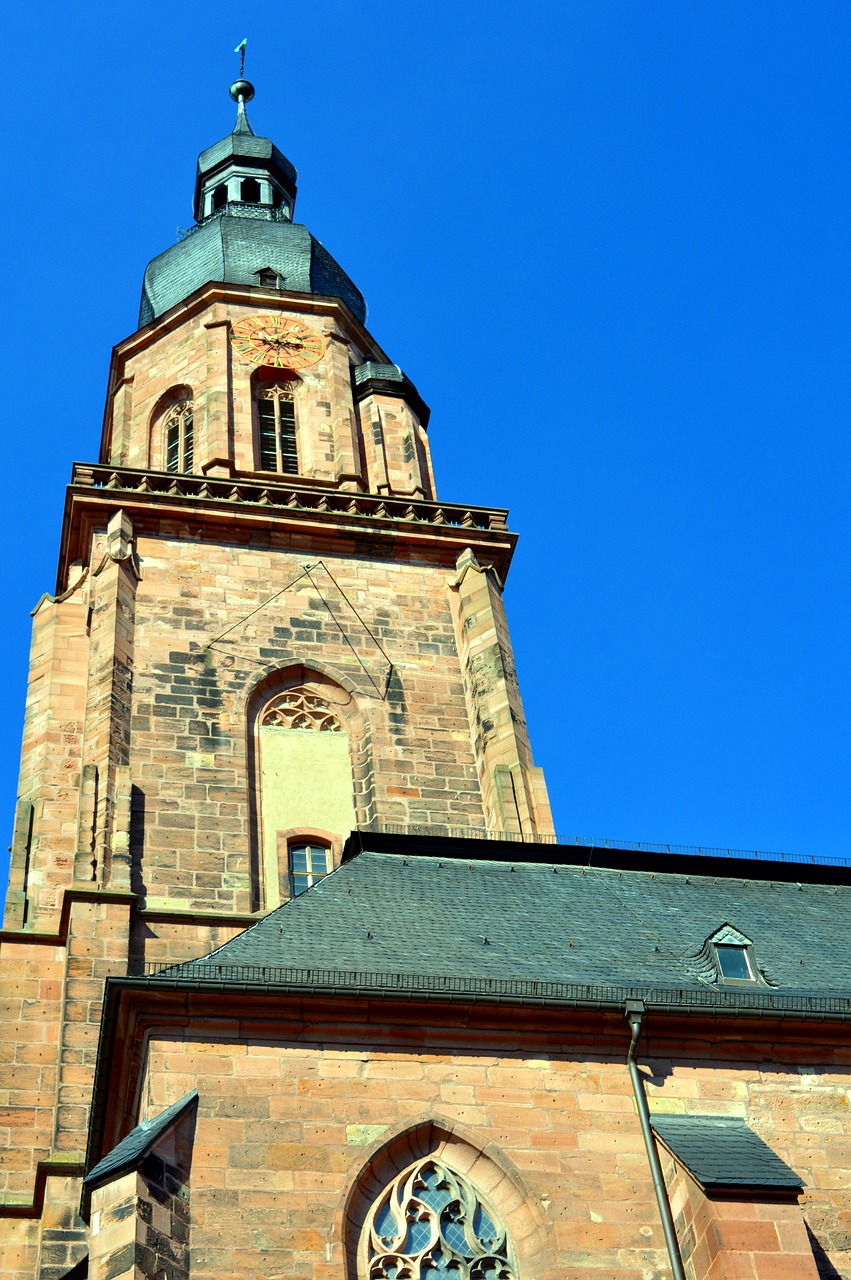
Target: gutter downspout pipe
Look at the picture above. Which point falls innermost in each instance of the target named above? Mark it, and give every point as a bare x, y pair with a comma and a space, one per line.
634, 1013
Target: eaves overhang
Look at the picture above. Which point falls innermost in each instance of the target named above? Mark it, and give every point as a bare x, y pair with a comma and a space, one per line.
241, 295
433, 532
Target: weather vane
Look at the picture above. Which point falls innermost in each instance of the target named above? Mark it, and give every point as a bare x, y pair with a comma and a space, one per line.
242, 91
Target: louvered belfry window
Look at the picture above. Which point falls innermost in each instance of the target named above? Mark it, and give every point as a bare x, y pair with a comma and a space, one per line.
179, 437
276, 430
431, 1222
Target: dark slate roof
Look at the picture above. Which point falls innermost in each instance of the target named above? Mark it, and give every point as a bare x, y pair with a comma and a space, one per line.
724, 1152
132, 1149
376, 377
465, 922
230, 249
241, 145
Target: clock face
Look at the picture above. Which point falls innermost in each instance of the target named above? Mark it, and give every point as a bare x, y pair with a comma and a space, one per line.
279, 341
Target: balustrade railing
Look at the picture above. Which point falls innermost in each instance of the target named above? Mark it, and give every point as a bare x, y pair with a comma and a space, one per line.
293, 497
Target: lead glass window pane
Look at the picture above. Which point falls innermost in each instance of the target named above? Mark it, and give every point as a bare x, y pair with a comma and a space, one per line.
277, 431
289, 456
172, 447
431, 1222
187, 441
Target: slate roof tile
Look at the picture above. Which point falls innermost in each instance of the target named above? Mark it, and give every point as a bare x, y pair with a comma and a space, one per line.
136, 1145
382, 913
723, 1152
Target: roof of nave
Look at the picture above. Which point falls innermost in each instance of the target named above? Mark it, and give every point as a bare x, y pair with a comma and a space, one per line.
479, 918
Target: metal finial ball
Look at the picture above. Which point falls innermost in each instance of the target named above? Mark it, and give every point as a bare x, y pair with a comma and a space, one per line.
242, 89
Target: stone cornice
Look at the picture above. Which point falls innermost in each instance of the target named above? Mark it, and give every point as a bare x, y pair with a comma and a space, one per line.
434, 532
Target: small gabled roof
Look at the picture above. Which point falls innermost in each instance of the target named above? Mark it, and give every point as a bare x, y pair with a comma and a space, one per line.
723, 1153
138, 1142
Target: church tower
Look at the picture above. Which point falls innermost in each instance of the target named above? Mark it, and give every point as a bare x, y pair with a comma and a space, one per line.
267, 633
296, 982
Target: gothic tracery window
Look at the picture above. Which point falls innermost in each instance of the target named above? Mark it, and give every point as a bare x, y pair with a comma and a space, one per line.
298, 709
179, 437
306, 786
430, 1222
276, 429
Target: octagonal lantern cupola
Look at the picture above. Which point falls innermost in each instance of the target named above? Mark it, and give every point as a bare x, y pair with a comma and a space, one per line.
244, 174
244, 233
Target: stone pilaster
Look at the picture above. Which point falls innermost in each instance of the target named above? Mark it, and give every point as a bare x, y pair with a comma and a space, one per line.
107, 733
44, 842
513, 789
347, 453
213, 404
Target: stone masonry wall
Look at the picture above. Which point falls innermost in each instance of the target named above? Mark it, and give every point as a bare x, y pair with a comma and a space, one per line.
291, 1115
743, 1234
197, 354
189, 757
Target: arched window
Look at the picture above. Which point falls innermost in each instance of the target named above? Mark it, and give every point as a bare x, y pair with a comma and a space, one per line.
179, 437
220, 196
306, 784
276, 429
431, 1222
249, 190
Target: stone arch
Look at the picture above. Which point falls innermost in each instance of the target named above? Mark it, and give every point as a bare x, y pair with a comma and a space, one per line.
180, 394
485, 1167
288, 694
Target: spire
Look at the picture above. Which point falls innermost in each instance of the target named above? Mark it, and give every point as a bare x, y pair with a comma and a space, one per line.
242, 91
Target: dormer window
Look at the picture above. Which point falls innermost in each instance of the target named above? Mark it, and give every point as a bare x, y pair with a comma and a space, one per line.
269, 279
731, 954
733, 963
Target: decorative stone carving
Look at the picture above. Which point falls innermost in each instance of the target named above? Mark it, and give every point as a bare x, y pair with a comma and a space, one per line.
430, 1222
297, 709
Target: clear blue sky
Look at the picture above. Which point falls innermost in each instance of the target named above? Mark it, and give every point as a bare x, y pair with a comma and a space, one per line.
611, 243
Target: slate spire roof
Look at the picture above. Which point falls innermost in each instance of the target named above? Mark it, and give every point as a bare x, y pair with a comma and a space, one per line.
241, 237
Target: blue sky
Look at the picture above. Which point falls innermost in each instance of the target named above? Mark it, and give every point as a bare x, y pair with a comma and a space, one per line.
610, 244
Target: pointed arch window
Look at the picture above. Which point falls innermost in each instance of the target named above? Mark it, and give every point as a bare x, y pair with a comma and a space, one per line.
306, 786
276, 429
431, 1222
178, 429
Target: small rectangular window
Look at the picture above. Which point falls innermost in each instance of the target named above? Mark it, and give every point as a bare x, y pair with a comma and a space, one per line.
733, 962
308, 863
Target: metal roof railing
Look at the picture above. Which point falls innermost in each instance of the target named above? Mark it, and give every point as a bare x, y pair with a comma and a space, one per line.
589, 842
